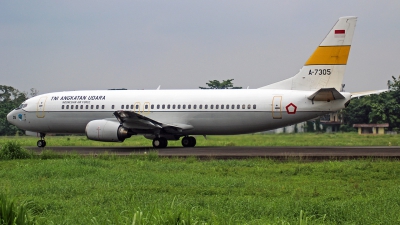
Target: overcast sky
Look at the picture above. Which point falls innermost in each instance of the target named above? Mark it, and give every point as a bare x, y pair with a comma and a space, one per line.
82, 45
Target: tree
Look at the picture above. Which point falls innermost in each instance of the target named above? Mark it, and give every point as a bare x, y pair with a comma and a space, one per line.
225, 84
10, 98
381, 108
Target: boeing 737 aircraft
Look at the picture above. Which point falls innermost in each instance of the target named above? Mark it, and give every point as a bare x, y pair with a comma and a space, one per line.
162, 115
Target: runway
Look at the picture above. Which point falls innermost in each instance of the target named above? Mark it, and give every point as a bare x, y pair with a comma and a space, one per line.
279, 153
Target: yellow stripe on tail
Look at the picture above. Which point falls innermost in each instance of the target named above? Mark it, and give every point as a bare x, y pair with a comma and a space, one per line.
329, 55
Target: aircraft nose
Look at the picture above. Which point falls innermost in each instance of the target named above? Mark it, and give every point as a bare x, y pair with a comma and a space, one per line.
10, 117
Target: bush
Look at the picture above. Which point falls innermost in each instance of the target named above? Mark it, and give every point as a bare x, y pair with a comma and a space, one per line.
347, 128
13, 150
10, 214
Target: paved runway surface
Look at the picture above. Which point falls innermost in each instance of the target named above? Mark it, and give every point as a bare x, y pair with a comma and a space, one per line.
282, 153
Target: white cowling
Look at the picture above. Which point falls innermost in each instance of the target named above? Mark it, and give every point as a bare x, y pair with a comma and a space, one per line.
105, 130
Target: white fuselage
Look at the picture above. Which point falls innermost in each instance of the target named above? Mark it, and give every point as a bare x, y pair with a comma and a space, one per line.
208, 112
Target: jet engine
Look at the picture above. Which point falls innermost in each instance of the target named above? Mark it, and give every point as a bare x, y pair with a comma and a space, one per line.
105, 130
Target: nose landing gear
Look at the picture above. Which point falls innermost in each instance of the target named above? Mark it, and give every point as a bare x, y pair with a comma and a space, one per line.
41, 143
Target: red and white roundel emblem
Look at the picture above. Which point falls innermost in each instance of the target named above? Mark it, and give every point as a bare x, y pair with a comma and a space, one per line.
291, 108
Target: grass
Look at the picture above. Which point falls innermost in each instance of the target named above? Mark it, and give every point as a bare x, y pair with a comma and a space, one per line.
147, 189
152, 190
297, 139
11, 214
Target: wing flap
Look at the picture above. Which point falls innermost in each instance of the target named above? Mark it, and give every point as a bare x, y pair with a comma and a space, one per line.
326, 94
135, 120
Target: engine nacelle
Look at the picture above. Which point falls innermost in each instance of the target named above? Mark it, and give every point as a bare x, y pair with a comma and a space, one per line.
105, 130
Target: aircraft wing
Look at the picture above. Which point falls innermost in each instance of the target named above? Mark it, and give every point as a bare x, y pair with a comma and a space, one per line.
326, 94
363, 93
136, 121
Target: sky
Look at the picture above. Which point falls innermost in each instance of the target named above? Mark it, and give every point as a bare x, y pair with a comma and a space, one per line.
86, 45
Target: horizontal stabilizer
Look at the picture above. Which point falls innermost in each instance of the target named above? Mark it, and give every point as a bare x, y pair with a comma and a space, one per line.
363, 93
326, 94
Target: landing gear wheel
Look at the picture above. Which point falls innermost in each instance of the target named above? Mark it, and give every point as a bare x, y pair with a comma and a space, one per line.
188, 142
160, 142
41, 143
185, 142
192, 141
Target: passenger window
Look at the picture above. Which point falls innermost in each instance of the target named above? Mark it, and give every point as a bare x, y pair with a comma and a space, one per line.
254, 106
233, 106
163, 106
87, 106
189, 106
77, 107
102, 107
91, 107
183, 106
205, 106
131, 106
97, 106
158, 106
211, 106
62, 107
222, 106
72, 106
67, 107
173, 106
112, 107
152, 106
243, 106
127, 106
146, 106
194, 106
248, 106
216, 106
168, 106
137, 106
122, 106
81, 106
179, 106
238, 106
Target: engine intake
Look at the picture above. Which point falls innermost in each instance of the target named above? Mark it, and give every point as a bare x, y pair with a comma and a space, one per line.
105, 130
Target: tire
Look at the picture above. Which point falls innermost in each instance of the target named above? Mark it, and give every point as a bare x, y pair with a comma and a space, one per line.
160, 142
186, 142
41, 143
192, 141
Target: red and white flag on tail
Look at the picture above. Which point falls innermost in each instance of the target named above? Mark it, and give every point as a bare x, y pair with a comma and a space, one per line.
340, 33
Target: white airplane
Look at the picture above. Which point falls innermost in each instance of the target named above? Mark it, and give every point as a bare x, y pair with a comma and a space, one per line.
162, 115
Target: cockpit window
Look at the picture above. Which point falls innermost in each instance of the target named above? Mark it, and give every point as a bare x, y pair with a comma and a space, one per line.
23, 105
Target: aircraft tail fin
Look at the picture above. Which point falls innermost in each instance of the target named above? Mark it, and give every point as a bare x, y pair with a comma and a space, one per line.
325, 67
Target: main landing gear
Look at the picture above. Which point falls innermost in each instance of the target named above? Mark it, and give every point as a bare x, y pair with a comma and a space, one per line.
162, 142
41, 143
188, 141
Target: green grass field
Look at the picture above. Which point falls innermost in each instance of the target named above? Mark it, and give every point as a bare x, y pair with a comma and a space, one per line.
298, 139
116, 190
147, 189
